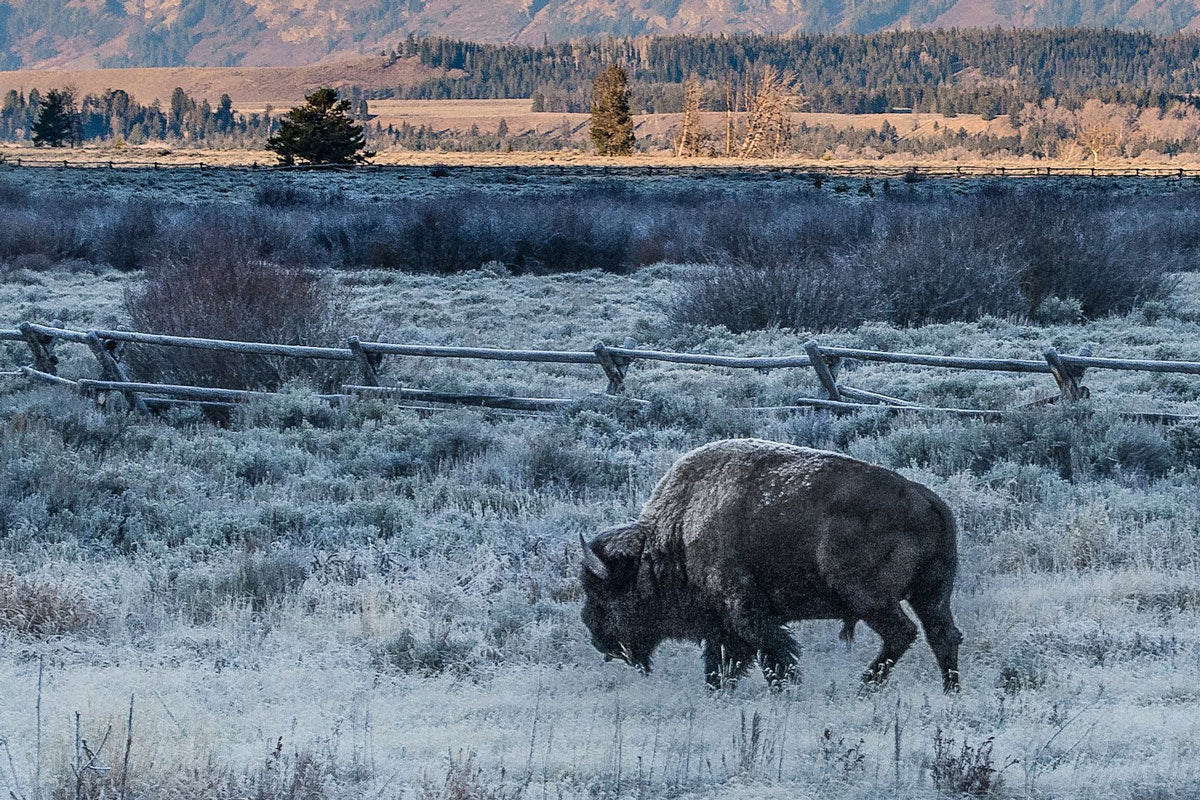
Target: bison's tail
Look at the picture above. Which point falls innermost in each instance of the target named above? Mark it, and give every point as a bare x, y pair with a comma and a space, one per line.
949, 527
847, 633
936, 578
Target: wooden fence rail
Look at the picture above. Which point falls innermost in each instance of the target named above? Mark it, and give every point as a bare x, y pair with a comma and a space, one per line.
107, 345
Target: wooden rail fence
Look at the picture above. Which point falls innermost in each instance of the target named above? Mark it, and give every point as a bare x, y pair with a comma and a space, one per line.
107, 346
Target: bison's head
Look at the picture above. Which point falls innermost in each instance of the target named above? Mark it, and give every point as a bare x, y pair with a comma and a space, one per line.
616, 609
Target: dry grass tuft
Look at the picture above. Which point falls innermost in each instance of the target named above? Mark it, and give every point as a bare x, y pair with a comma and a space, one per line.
37, 608
963, 769
465, 780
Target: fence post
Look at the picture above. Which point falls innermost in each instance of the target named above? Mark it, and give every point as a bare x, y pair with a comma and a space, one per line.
368, 363
112, 370
622, 362
825, 371
615, 373
42, 346
1067, 378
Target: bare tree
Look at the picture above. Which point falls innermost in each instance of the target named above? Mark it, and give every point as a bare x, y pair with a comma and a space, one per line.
768, 99
730, 93
1101, 127
690, 135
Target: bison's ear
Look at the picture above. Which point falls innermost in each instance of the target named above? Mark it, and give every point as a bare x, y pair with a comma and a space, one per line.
592, 563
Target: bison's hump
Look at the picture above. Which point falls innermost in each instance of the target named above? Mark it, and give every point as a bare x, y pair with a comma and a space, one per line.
720, 489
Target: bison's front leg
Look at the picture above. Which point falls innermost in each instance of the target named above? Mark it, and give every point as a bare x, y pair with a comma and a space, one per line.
726, 659
777, 656
898, 633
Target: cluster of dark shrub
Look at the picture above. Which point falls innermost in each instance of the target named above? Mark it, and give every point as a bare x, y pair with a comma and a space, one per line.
1003, 253
798, 257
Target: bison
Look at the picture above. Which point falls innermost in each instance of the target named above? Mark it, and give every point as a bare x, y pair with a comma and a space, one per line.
742, 536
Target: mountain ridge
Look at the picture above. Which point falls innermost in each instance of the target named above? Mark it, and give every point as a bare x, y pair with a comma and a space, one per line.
83, 34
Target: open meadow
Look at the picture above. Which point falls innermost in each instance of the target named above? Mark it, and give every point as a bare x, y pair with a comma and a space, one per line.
369, 600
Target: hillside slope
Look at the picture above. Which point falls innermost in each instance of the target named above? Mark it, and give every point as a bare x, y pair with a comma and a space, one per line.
147, 33
246, 86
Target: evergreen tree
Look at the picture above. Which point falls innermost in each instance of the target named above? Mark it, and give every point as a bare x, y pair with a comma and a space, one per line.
57, 120
612, 125
320, 132
224, 113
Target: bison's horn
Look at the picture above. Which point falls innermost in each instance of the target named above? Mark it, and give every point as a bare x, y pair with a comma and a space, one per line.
592, 562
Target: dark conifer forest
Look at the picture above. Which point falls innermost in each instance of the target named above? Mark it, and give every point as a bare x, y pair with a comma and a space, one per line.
980, 71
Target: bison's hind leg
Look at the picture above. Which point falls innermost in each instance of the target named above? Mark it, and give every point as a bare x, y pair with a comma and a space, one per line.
942, 634
897, 632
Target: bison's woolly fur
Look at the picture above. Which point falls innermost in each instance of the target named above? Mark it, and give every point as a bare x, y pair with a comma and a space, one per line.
742, 536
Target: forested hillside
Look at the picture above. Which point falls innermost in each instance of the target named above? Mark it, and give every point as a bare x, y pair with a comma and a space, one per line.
129, 33
988, 72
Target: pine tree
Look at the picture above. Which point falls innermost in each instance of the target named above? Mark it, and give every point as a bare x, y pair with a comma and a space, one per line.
320, 132
612, 125
57, 121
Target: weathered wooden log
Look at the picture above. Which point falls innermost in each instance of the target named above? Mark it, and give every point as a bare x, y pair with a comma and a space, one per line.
171, 390
111, 368
870, 397
1132, 364
1067, 377
821, 367
490, 353
47, 377
42, 348
247, 348
79, 337
367, 362
921, 360
700, 359
616, 376
481, 400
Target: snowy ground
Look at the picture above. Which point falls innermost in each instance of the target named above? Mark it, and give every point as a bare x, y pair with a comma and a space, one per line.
378, 602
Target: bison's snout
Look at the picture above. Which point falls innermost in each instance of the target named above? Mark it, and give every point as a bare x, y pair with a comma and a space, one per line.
623, 652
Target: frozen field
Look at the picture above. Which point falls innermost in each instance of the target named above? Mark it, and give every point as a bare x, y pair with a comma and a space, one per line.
376, 602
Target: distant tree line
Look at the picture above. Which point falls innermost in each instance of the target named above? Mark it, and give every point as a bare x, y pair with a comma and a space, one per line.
1046, 130
989, 72
114, 115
